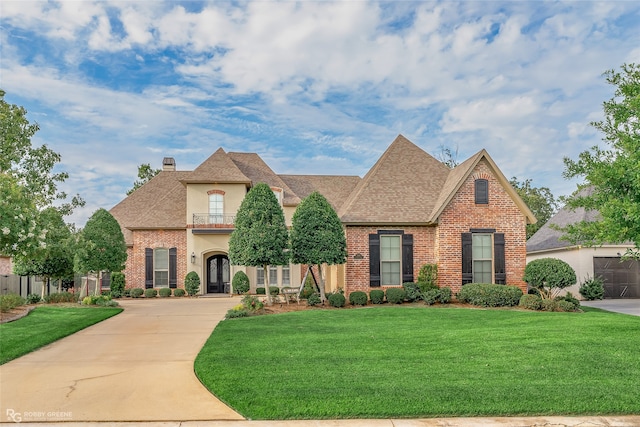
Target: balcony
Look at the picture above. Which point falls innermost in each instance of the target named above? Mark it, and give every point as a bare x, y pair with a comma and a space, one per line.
205, 220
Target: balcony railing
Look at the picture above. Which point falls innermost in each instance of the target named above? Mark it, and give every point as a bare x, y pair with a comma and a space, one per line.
205, 220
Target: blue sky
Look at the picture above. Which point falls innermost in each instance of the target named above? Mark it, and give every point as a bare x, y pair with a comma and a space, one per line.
313, 87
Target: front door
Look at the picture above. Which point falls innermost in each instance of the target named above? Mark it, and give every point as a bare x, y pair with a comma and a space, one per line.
217, 273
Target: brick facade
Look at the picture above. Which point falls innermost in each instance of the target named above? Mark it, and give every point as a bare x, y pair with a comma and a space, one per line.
142, 239
441, 244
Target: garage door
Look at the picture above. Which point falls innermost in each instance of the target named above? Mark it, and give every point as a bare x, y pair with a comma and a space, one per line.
621, 278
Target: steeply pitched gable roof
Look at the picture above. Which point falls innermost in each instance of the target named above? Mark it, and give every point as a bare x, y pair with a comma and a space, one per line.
160, 203
458, 175
402, 187
218, 168
252, 166
547, 237
335, 188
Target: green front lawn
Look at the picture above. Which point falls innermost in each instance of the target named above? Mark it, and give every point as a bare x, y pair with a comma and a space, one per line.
424, 362
45, 325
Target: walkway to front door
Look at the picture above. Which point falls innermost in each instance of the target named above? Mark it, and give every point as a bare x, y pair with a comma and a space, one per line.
217, 274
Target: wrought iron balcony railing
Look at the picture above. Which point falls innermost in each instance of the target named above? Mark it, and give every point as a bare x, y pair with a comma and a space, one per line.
205, 220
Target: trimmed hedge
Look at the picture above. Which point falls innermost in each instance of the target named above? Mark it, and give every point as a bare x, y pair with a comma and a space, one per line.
240, 282
358, 298
489, 295
261, 291
192, 283
136, 292
164, 292
530, 302
396, 295
337, 300
179, 292
376, 296
445, 295
274, 290
150, 293
60, 297
412, 291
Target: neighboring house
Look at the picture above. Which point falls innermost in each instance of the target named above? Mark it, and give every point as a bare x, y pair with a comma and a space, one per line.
622, 278
408, 210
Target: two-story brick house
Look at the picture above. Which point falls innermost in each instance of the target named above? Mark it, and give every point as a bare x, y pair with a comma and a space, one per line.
408, 210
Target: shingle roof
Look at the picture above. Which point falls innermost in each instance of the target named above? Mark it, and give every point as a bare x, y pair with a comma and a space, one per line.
402, 187
218, 168
252, 166
335, 188
160, 203
547, 237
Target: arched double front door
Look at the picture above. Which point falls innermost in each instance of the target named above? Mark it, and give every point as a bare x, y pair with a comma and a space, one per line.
218, 274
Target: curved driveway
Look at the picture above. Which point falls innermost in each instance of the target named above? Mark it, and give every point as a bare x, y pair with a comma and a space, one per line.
136, 366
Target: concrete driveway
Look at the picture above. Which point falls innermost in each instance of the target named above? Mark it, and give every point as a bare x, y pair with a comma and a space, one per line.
626, 306
136, 366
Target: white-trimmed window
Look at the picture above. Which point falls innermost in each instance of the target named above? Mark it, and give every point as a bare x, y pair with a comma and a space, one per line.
278, 192
216, 208
286, 275
390, 260
273, 275
482, 253
260, 276
161, 268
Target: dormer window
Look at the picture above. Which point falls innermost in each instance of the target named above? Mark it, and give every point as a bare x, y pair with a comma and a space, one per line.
482, 191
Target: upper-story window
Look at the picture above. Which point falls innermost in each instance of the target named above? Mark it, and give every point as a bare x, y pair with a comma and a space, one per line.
216, 207
482, 191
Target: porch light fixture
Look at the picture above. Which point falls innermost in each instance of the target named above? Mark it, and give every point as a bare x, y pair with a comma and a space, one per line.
193, 257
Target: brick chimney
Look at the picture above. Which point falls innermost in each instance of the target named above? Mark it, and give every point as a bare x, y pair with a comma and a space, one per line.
168, 164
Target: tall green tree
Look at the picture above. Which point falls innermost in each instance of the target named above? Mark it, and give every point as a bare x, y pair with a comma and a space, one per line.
260, 237
145, 173
101, 246
539, 199
612, 172
54, 259
27, 182
317, 236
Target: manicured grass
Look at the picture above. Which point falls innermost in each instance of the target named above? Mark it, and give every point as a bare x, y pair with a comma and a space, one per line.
45, 325
424, 362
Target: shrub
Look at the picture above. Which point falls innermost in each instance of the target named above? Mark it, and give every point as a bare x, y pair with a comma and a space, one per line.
126, 292
395, 295
233, 313
489, 295
10, 301
33, 299
179, 292
60, 297
240, 282
358, 298
564, 305
102, 300
427, 277
117, 284
550, 305
376, 296
337, 300
445, 296
164, 292
569, 298
314, 299
251, 303
412, 291
150, 293
530, 302
431, 296
192, 283
136, 292
261, 291
592, 288
549, 275
274, 290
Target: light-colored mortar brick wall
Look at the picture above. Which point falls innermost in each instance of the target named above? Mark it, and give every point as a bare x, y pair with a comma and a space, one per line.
357, 270
6, 267
442, 244
142, 239
462, 214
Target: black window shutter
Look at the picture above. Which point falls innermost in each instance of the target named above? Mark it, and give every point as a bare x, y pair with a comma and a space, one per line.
407, 258
498, 259
482, 191
148, 268
467, 258
173, 268
374, 260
